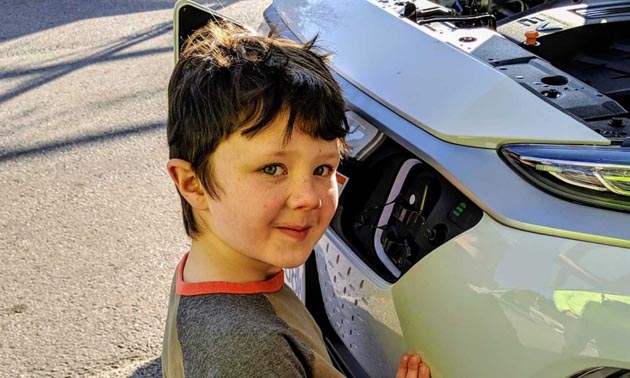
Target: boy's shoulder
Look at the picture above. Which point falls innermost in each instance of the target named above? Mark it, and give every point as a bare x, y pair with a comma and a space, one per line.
220, 313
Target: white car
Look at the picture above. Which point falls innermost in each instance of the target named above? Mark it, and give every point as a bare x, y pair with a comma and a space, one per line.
484, 210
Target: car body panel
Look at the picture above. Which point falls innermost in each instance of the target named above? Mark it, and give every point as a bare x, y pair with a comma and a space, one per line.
550, 306
518, 304
432, 84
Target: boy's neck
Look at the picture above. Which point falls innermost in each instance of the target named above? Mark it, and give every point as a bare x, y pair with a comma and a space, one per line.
205, 263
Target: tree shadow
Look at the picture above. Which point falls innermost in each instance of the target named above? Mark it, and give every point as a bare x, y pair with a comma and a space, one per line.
152, 369
21, 18
30, 21
108, 53
84, 140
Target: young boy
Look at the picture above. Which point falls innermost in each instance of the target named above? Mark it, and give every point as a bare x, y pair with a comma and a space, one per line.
255, 131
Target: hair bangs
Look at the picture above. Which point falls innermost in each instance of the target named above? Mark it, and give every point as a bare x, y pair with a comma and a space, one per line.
310, 109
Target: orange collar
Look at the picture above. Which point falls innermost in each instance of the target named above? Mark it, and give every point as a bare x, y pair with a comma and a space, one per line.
220, 287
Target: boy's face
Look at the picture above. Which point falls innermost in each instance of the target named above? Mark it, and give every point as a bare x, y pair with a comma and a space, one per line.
276, 200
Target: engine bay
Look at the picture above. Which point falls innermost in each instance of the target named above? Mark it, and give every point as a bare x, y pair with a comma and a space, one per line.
573, 54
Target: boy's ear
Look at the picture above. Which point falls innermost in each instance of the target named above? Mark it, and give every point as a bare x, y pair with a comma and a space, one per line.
187, 183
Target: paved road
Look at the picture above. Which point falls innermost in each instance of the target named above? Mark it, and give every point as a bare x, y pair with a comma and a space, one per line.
90, 228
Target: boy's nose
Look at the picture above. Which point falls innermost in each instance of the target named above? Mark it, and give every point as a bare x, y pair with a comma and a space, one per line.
304, 196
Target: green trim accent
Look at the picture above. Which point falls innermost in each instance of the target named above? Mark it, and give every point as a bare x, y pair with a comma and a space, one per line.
424, 196
618, 178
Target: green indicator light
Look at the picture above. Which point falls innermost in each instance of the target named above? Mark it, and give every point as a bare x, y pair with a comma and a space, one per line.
461, 206
459, 209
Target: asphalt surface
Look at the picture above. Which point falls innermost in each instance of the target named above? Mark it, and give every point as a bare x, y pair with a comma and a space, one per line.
90, 227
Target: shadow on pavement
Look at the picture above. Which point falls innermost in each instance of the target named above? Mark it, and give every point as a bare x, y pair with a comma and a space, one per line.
95, 138
53, 72
26, 17
152, 369
21, 18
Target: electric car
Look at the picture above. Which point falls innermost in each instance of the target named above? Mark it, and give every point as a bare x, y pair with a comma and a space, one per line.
484, 202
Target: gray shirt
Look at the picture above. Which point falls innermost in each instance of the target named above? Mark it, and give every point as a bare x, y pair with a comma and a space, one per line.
258, 329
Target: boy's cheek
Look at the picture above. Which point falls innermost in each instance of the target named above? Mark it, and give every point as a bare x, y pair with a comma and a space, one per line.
329, 211
335, 198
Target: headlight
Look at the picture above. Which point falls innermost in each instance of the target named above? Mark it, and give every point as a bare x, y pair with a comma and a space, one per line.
592, 175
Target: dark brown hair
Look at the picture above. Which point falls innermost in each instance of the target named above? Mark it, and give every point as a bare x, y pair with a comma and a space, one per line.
229, 80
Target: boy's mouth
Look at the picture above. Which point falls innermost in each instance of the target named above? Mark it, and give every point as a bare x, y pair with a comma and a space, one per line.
296, 232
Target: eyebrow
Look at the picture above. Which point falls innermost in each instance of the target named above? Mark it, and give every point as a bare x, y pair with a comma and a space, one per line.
329, 155
333, 155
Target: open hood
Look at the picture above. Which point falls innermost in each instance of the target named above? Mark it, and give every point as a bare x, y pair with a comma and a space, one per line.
432, 77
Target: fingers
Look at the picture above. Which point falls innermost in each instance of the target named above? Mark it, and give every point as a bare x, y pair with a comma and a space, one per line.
411, 366
425, 372
402, 366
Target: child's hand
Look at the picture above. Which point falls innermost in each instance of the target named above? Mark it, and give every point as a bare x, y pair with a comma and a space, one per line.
412, 367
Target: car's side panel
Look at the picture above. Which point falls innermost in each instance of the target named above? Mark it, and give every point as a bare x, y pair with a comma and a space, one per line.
509, 303
432, 84
359, 307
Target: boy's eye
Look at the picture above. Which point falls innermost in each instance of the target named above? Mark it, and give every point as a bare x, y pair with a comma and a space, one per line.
272, 170
323, 170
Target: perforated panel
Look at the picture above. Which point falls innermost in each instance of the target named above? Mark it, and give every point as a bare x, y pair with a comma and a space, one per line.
294, 278
361, 312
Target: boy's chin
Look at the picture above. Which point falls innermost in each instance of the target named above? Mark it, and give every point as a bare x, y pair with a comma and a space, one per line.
273, 269
294, 263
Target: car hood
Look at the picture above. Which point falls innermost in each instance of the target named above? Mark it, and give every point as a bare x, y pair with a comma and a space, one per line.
434, 85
